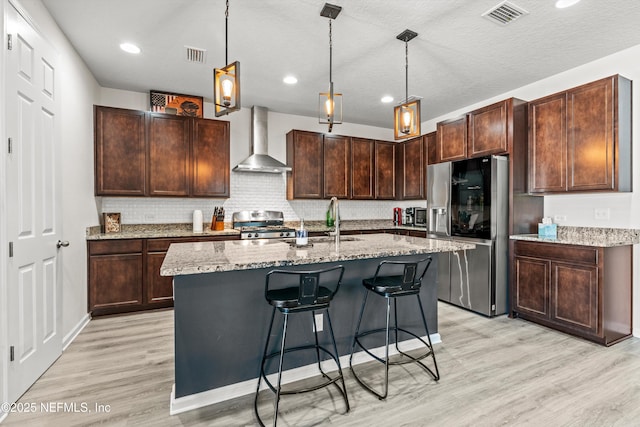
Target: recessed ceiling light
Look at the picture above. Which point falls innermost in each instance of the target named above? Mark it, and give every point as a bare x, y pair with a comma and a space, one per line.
290, 80
130, 47
386, 99
561, 4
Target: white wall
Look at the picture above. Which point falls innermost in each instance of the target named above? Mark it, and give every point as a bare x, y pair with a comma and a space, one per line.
579, 209
79, 91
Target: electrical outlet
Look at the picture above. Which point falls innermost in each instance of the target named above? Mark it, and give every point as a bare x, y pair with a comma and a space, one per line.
318, 322
601, 213
559, 218
149, 217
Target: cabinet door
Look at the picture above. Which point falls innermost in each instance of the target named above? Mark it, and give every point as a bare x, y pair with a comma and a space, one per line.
336, 166
115, 281
487, 130
547, 144
385, 161
532, 276
574, 296
169, 154
362, 168
431, 141
590, 137
120, 152
210, 158
413, 169
304, 154
159, 288
452, 140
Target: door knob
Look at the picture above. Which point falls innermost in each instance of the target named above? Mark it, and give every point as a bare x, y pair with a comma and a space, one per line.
62, 243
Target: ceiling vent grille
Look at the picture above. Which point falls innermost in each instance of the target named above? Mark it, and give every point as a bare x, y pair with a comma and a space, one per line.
505, 13
195, 54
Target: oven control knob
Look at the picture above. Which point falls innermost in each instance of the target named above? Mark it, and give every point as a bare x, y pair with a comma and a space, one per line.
255, 235
281, 234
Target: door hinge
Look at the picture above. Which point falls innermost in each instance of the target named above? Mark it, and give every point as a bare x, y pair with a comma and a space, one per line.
9, 42
10, 249
10, 144
11, 354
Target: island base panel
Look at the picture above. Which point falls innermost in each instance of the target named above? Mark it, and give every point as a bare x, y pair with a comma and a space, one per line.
221, 322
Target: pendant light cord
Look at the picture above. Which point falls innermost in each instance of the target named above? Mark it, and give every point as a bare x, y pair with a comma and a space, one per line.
406, 70
330, 51
226, 34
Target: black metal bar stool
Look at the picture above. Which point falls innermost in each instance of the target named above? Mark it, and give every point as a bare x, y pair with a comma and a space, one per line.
291, 292
393, 280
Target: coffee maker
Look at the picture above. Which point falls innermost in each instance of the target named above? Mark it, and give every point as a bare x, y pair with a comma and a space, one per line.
409, 215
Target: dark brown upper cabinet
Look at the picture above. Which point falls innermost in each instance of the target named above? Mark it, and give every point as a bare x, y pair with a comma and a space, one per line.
150, 154
452, 140
486, 131
362, 168
336, 161
169, 155
120, 152
580, 139
411, 169
304, 155
431, 141
385, 161
325, 166
210, 158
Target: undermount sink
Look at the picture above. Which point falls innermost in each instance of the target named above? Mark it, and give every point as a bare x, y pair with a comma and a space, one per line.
331, 239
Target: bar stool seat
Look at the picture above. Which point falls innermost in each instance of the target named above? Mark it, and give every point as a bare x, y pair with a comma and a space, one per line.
392, 280
292, 292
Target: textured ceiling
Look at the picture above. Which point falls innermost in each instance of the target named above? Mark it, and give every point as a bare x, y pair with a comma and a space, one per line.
458, 58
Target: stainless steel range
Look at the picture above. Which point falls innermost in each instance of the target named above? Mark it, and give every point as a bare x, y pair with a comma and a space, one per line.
262, 225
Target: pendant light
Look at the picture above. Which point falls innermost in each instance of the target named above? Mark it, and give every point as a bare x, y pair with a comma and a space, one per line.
226, 80
330, 103
406, 116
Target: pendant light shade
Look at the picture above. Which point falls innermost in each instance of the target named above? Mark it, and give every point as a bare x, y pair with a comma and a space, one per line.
406, 116
226, 80
330, 103
226, 89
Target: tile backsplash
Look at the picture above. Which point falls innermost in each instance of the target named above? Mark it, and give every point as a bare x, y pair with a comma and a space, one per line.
249, 191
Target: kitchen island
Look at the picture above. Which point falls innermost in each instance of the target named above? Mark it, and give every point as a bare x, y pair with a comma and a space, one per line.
221, 316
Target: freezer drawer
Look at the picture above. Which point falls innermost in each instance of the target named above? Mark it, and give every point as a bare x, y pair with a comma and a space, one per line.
465, 279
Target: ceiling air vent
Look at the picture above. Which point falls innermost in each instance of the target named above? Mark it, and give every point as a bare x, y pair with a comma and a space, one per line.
505, 13
195, 54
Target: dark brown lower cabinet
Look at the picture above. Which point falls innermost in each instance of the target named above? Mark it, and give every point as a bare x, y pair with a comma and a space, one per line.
581, 290
124, 274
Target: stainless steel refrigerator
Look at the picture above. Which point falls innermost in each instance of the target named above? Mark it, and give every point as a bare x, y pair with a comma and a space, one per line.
469, 200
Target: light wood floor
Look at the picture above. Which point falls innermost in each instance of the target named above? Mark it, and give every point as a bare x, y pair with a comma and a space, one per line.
493, 372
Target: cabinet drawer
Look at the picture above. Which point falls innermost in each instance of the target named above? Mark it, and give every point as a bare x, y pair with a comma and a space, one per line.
115, 247
556, 251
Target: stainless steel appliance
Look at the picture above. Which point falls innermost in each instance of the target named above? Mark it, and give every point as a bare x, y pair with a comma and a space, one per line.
468, 200
409, 216
419, 217
262, 225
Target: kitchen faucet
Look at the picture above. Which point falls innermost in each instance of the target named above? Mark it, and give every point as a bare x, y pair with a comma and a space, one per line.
335, 213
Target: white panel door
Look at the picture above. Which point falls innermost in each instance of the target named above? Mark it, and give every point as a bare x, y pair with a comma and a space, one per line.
33, 202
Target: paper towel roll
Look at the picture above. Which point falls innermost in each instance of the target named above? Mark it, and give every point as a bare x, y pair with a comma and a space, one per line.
197, 221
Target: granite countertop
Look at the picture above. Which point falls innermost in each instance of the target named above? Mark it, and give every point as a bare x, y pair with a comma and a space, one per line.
588, 236
150, 231
208, 257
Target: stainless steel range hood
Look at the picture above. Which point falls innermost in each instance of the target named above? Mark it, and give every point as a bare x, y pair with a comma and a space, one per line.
259, 160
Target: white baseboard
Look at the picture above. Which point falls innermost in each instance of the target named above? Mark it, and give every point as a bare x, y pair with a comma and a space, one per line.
68, 339
220, 394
